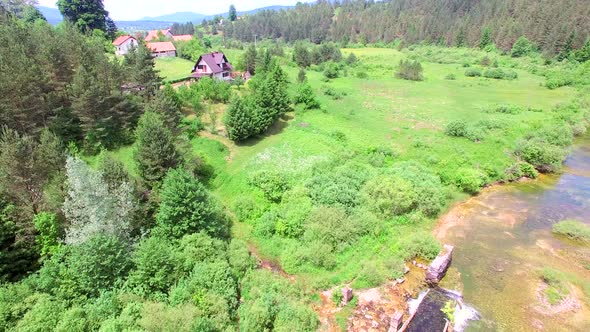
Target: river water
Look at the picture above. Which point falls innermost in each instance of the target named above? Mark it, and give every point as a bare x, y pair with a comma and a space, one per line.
502, 240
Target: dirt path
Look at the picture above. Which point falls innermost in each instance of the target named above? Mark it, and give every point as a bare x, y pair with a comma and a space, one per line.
231, 147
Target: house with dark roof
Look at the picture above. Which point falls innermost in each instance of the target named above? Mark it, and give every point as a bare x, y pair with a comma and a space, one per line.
124, 43
214, 65
162, 49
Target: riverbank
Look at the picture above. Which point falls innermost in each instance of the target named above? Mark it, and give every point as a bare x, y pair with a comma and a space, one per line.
503, 242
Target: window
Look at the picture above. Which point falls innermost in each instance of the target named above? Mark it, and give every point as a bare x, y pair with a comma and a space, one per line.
202, 67
225, 74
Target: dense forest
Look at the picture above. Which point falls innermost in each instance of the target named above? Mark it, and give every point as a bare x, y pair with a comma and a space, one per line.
552, 25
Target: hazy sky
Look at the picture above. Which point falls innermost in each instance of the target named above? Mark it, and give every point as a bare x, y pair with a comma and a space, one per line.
136, 9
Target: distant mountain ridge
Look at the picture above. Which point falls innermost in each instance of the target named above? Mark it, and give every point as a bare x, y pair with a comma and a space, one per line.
182, 17
53, 16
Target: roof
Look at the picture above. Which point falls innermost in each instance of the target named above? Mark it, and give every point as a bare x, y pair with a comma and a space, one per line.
122, 39
182, 37
161, 47
214, 61
153, 34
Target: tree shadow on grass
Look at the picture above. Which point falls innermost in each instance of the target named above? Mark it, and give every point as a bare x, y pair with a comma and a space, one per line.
275, 129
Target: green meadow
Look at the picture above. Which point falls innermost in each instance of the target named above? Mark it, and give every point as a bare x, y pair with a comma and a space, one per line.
368, 117
173, 68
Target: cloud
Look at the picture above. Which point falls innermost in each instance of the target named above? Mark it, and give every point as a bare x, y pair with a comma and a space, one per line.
136, 9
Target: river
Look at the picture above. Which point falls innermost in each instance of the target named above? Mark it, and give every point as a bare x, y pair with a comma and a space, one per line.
502, 240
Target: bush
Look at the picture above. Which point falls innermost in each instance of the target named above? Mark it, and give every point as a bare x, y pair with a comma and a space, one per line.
554, 83
457, 128
469, 180
450, 77
331, 71
332, 226
522, 47
217, 91
419, 244
191, 127
339, 187
504, 109
361, 75
389, 196
272, 183
473, 72
430, 192
306, 96
410, 70
186, 207
543, 156
519, 170
510, 75
573, 229
331, 92
560, 135
495, 73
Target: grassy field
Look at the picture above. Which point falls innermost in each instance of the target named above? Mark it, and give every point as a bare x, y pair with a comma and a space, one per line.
173, 68
359, 119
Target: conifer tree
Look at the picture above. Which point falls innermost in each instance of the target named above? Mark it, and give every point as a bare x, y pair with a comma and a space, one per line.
249, 59
167, 105
486, 38
567, 48
461, 39
155, 152
583, 54
233, 14
239, 120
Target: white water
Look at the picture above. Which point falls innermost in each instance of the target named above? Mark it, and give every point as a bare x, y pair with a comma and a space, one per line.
463, 314
413, 304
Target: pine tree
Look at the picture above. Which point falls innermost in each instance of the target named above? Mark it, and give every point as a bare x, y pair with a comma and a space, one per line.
155, 152
167, 105
486, 38
583, 54
249, 59
461, 39
144, 74
264, 62
111, 28
567, 48
233, 14
239, 120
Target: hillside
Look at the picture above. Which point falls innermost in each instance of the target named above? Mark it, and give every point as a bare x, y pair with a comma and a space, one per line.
182, 17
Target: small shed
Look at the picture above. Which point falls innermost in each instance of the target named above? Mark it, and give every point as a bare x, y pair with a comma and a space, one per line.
162, 49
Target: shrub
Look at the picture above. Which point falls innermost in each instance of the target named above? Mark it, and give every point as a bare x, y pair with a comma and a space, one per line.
330, 91
306, 96
457, 128
430, 192
573, 229
217, 91
332, 226
410, 70
560, 135
339, 187
450, 77
519, 170
504, 109
351, 59
389, 196
510, 75
473, 72
522, 47
186, 207
554, 83
419, 244
543, 156
495, 73
469, 180
272, 183
331, 71
247, 209
361, 74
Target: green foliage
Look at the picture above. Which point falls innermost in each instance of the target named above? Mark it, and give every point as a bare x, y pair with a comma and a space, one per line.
544, 156
573, 229
47, 227
583, 54
301, 76
473, 72
273, 184
91, 208
557, 288
522, 47
351, 59
469, 180
240, 120
249, 59
499, 74
331, 71
167, 104
410, 70
85, 15
429, 190
419, 244
340, 187
217, 91
143, 79
301, 55
331, 226
486, 38
306, 96
389, 196
457, 128
155, 152
519, 170
449, 311
450, 77
43, 316
186, 207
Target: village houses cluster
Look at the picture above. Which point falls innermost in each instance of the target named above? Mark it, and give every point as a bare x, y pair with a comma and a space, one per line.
214, 65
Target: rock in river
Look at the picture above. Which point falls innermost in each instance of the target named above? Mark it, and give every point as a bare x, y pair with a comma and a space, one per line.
438, 267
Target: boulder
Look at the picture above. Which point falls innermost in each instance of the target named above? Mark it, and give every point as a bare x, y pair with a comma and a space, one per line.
346, 295
395, 321
438, 267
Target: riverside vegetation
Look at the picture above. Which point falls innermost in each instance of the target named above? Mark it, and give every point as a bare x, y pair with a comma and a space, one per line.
117, 215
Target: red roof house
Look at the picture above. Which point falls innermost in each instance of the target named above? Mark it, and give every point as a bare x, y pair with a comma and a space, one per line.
213, 65
154, 34
124, 43
161, 49
182, 38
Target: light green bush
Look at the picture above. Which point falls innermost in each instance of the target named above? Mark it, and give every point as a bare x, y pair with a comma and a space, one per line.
573, 229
